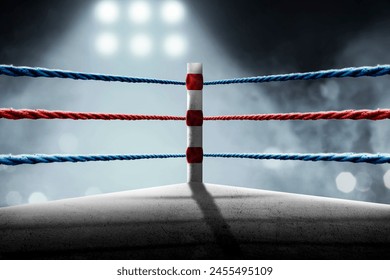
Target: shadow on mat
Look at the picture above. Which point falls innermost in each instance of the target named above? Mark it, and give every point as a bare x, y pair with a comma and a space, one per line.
215, 221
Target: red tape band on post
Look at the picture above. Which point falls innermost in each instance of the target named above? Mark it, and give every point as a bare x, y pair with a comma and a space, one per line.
194, 118
194, 154
194, 81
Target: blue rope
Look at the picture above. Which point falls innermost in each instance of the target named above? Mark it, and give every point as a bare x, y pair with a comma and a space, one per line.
344, 157
354, 72
14, 71
39, 158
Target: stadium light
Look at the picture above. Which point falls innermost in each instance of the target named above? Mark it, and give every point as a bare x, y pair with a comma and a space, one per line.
172, 12
107, 11
140, 12
175, 45
107, 43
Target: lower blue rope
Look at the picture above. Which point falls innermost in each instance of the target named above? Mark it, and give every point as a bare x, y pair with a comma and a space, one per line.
39, 158
35, 72
354, 72
344, 157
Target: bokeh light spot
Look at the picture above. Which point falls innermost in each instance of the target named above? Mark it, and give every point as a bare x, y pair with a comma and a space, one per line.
345, 182
386, 179
37, 197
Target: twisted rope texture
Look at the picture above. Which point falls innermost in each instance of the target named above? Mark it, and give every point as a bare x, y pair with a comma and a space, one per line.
41, 158
13, 114
35, 72
346, 157
372, 71
343, 157
379, 114
44, 114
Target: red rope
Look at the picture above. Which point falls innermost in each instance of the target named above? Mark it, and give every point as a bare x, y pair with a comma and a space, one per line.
378, 114
13, 114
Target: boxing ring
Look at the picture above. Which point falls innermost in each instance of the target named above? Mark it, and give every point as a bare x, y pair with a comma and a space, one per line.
196, 220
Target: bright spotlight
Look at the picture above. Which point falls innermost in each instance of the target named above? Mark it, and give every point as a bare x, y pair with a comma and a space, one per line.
37, 197
346, 182
140, 12
107, 11
141, 45
106, 44
175, 45
172, 12
386, 179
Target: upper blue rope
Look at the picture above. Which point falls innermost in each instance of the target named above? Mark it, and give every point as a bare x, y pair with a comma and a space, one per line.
343, 157
354, 72
372, 71
49, 73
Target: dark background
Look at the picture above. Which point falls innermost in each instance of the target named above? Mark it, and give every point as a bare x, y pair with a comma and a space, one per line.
304, 35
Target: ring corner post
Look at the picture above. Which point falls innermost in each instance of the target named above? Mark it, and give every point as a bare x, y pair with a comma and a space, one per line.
194, 121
